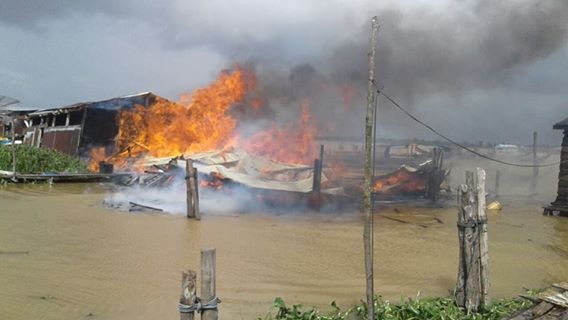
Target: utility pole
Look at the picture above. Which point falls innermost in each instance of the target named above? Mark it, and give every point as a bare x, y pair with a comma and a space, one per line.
535, 163
367, 192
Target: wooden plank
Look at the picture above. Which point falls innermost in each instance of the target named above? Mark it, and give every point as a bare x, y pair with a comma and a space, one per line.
561, 285
188, 294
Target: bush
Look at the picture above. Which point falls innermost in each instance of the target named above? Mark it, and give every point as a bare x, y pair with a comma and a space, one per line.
408, 309
39, 160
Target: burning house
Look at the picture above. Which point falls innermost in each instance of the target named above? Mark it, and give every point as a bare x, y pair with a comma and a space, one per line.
561, 204
76, 129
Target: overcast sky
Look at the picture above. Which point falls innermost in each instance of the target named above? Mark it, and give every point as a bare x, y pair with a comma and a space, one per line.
476, 69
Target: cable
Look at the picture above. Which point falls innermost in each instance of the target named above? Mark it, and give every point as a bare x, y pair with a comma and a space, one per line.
381, 92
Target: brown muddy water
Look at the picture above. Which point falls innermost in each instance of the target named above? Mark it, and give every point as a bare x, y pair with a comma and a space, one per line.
63, 255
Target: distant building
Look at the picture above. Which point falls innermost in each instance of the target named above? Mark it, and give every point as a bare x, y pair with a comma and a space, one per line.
76, 128
561, 203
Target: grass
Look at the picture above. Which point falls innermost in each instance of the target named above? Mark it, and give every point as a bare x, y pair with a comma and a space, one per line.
39, 160
407, 309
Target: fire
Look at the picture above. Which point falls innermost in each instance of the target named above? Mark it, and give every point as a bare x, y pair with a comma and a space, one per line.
206, 121
400, 182
290, 144
198, 123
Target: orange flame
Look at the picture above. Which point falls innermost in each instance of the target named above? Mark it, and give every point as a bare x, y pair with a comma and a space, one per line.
207, 121
198, 123
291, 144
400, 182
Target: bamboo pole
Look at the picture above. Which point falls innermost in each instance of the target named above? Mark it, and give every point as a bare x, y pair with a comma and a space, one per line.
367, 201
195, 192
208, 290
188, 294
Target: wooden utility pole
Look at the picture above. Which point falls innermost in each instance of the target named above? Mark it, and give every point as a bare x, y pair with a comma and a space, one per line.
497, 183
472, 289
535, 162
367, 192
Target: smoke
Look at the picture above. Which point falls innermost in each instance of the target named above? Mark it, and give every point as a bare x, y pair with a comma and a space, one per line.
443, 55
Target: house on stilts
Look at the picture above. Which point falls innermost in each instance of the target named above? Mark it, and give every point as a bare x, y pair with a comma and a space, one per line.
560, 206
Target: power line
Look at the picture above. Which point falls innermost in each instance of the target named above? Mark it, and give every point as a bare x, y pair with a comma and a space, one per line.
381, 92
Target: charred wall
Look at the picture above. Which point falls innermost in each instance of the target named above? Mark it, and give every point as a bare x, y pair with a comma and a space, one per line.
100, 128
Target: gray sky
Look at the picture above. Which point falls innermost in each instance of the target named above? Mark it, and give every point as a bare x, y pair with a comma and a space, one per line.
476, 69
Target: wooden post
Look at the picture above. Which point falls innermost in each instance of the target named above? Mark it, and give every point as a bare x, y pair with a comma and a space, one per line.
192, 195
535, 162
188, 294
195, 192
13, 150
473, 282
367, 191
188, 188
497, 182
483, 241
208, 290
316, 182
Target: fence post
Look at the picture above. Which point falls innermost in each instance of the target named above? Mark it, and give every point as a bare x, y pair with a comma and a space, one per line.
188, 293
208, 290
473, 281
483, 241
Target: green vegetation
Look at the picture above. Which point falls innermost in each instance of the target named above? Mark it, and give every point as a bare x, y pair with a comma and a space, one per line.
408, 309
39, 160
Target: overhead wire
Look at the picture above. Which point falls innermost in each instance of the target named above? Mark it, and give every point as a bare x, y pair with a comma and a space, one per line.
460, 145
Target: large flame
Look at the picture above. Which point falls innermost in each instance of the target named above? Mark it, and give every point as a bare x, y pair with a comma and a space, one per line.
205, 121
197, 123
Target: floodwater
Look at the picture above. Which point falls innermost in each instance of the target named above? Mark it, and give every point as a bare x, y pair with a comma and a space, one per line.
63, 255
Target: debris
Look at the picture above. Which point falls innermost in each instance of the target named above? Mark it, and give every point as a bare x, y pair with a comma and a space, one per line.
495, 205
140, 207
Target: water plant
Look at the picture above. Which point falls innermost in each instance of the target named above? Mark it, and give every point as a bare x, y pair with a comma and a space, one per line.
39, 160
407, 309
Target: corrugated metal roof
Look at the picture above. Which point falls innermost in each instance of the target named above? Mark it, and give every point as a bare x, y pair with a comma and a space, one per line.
110, 104
562, 125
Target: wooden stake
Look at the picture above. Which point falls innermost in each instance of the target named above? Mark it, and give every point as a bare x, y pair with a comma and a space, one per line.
208, 290
367, 201
192, 190
189, 188
195, 192
188, 294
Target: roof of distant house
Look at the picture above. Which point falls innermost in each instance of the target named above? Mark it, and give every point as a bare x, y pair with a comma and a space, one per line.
563, 125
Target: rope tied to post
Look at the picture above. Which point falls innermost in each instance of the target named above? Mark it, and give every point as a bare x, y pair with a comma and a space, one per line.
198, 306
471, 224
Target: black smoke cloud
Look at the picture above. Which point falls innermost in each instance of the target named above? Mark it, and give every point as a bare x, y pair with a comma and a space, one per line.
449, 51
